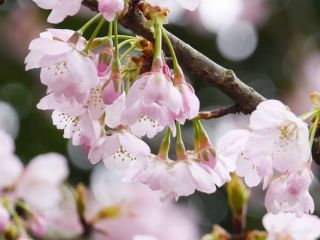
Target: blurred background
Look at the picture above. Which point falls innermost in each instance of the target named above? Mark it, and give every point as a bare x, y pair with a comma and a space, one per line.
272, 45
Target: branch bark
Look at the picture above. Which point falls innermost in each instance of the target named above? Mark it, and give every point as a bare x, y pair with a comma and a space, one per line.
193, 61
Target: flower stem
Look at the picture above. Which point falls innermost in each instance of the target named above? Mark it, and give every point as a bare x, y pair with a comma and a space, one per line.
158, 40
314, 128
180, 148
116, 40
125, 42
165, 145
176, 67
94, 34
88, 24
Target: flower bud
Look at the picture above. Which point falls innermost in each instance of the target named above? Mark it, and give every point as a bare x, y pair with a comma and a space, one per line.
104, 59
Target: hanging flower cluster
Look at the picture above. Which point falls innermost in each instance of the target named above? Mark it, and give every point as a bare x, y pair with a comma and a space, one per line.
109, 94
276, 150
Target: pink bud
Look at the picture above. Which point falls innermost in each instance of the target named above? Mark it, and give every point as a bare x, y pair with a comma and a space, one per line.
111, 93
39, 225
4, 218
109, 8
103, 61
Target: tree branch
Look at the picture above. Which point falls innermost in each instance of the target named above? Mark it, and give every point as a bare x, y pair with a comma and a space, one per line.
193, 61
217, 113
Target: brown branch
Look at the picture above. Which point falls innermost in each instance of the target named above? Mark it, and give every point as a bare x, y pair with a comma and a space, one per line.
217, 113
194, 62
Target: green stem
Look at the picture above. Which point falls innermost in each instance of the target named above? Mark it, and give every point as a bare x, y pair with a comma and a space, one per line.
116, 39
309, 114
94, 34
127, 52
314, 128
180, 148
165, 145
196, 136
158, 40
88, 24
172, 52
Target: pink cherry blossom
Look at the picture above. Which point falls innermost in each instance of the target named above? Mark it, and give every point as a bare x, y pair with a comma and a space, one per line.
154, 96
233, 147
290, 194
60, 9
68, 73
284, 135
178, 178
143, 127
110, 8
118, 149
4, 218
187, 4
190, 101
40, 184
11, 166
285, 226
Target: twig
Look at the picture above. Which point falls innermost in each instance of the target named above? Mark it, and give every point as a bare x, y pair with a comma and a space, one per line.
217, 113
194, 62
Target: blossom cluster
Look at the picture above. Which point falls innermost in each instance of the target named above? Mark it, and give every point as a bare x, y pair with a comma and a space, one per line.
107, 109
276, 150
33, 189
110, 100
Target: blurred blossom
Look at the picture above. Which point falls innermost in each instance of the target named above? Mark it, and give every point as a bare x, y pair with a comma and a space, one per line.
237, 41
307, 80
78, 157
141, 210
9, 119
216, 15
255, 11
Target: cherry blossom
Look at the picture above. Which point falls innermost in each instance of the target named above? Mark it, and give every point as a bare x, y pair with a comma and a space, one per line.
178, 178
110, 8
290, 194
160, 106
68, 73
118, 149
60, 9
284, 135
41, 181
285, 226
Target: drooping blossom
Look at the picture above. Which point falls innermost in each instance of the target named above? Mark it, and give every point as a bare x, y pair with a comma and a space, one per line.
110, 8
277, 140
290, 194
68, 73
154, 96
254, 167
40, 184
11, 166
60, 8
187, 4
178, 178
118, 149
284, 135
190, 101
284, 226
